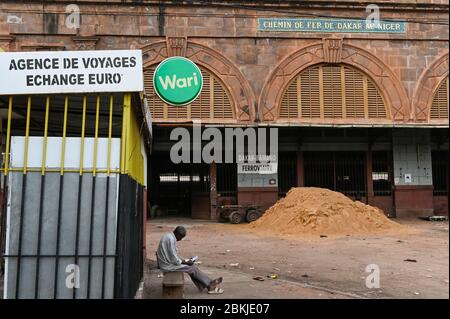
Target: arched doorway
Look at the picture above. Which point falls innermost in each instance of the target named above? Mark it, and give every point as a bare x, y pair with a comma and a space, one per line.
193, 189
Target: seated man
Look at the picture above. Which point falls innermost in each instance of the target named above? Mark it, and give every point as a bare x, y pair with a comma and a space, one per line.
168, 260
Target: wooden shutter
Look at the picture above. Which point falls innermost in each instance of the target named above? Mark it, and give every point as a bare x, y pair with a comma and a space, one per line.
332, 92
213, 102
439, 107
376, 106
289, 102
354, 93
310, 93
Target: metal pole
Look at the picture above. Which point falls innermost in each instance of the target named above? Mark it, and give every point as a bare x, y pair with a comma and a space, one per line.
22, 201
41, 199
61, 192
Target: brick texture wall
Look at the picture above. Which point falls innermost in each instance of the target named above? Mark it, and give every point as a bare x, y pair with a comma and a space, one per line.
230, 31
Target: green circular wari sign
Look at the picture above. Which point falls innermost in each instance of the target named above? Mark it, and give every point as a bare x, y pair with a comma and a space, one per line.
177, 81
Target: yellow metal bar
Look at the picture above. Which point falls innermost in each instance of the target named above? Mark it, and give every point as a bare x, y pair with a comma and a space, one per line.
63, 148
17, 169
27, 133
125, 131
8, 134
83, 126
44, 150
94, 164
111, 103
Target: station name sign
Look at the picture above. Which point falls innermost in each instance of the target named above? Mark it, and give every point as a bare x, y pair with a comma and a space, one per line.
257, 168
71, 72
330, 25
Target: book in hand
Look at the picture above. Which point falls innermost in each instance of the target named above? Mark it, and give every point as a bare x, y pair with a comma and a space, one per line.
193, 259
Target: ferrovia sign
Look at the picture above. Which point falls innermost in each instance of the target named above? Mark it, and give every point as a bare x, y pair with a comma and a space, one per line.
71, 72
177, 81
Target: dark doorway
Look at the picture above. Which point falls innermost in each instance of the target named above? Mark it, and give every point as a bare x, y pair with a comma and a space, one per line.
179, 189
226, 183
344, 172
287, 172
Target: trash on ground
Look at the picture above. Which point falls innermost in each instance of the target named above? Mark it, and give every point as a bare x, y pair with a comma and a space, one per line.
410, 260
258, 278
434, 218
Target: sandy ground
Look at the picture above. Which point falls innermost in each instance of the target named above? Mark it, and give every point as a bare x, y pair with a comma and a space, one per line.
309, 267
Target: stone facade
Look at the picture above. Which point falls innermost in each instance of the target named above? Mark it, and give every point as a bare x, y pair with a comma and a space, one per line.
256, 66
409, 66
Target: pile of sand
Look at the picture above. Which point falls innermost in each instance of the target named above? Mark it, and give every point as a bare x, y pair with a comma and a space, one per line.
318, 211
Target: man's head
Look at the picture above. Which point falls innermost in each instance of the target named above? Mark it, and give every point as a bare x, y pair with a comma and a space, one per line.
179, 232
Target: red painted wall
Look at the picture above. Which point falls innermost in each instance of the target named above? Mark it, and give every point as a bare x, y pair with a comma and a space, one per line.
414, 201
264, 196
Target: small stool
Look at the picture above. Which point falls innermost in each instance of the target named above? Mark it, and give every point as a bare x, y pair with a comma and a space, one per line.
173, 285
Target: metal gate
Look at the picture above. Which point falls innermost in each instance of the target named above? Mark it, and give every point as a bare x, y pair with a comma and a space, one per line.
440, 172
227, 183
70, 165
180, 189
344, 172
287, 172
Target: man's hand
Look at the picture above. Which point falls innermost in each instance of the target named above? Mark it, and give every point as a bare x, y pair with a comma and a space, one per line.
188, 262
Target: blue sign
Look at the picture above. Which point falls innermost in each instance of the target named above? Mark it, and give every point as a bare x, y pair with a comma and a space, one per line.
330, 25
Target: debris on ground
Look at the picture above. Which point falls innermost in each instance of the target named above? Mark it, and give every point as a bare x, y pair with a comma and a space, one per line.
234, 265
410, 260
305, 276
319, 211
434, 218
273, 276
258, 278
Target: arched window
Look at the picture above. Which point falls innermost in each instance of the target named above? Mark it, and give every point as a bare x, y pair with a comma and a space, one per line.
332, 92
439, 107
214, 101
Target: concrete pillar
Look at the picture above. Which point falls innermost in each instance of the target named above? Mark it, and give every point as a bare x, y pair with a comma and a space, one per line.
412, 172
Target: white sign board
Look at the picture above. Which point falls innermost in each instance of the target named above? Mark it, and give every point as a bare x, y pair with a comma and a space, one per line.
257, 168
71, 156
71, 72
408, 178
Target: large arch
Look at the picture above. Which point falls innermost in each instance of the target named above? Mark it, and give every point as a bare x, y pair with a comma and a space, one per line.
333, 50
236, 84
428, 83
